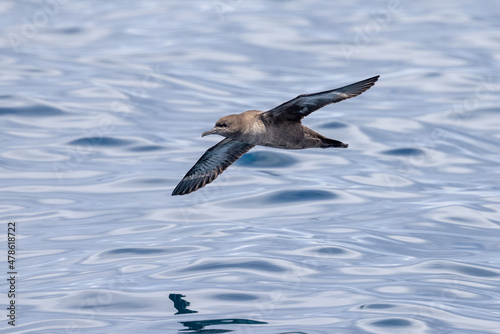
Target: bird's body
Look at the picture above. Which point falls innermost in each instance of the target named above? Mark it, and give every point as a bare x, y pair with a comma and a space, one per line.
279, 127
256, 128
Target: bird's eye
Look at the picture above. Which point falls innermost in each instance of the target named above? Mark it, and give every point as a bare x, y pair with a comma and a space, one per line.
224, 125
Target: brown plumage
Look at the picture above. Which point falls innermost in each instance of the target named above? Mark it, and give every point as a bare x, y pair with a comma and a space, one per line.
279, 127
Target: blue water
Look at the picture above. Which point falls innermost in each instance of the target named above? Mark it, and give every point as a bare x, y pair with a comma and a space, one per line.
102, 105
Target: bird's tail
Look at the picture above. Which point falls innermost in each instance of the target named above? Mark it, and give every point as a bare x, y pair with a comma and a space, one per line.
327, 142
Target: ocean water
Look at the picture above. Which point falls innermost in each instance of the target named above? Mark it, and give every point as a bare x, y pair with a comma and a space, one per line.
102, 104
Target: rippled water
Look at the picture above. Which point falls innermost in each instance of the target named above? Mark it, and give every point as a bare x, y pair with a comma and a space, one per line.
102, 105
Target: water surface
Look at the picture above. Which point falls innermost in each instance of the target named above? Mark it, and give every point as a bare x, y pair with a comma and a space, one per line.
102, 108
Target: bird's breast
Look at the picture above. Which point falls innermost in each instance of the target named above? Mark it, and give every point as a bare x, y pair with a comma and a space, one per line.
254, 132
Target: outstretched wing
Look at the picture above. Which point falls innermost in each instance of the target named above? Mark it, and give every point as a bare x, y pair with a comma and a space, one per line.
211, 164
303, 105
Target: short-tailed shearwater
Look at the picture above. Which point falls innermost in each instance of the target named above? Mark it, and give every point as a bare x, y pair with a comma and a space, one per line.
279, 127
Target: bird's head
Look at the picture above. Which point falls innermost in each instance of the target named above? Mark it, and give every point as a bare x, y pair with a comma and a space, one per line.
226, 126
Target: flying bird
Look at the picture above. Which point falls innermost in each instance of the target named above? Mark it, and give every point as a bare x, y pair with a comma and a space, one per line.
279, 127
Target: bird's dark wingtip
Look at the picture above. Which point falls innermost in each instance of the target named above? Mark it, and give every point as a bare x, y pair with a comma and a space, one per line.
178, 191
370, 81
373, 79
363, 85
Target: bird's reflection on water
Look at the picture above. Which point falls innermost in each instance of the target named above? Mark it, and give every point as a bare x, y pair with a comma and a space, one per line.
180, 304
197, 326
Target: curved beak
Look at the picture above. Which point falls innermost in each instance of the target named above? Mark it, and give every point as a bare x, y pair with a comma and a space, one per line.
210, 132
